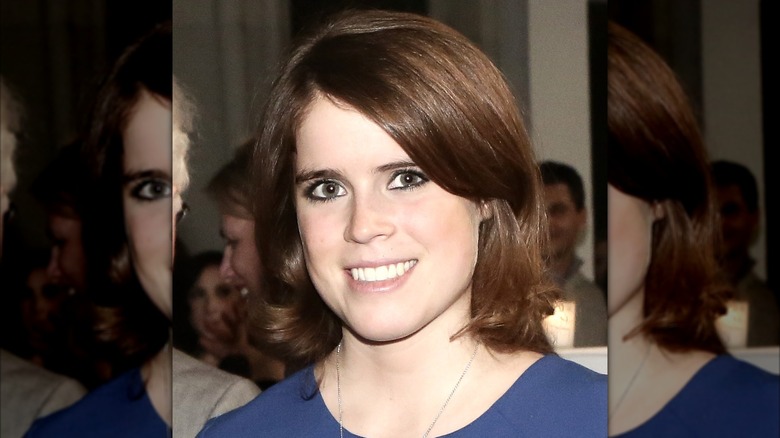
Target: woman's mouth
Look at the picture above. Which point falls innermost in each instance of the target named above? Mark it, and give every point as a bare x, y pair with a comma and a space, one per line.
384, 272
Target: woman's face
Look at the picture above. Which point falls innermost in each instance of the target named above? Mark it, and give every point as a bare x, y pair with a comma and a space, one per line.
388, 250
241, 263
629, 246
214, 304
147, 196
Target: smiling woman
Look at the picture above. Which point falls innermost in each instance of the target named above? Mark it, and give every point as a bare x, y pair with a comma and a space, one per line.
399, 219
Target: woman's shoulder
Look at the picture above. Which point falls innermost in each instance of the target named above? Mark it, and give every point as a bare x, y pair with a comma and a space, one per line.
120, 404
292, 407
573, 378
726, 397
201, 391
736, 384
192, 377
554, 397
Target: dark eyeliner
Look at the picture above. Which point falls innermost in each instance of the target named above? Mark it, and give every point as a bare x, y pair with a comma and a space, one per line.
411, 171
312, 185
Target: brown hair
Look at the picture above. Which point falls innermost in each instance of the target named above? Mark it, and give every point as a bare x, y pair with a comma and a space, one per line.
128, 321
656, 153
451, 111
231, 187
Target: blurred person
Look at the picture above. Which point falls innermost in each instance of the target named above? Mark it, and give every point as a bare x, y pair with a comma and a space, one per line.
241, 265
43, 309
213, 309
200, 391
61, 189
669, 372
564, 197
40, 313
739, 221
137, 178
399, 219
27, 391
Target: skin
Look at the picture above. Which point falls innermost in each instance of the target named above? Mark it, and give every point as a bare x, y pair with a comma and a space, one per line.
215, 306
67, 262
361, 204
630, 247
565, 222
240, 261
151, 199
147, 197
41, 308
648, 377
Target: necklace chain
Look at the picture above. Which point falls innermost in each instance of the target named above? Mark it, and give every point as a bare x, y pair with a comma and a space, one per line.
446, 402
633, 378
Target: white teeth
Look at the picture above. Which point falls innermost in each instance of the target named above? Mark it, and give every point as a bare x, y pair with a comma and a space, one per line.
381, 273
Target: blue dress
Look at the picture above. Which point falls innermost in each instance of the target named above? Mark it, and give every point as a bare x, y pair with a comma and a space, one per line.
119, 408
725, 398
554, 397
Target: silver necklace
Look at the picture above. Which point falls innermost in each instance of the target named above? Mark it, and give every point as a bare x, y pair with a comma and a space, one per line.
633, 378
446, 402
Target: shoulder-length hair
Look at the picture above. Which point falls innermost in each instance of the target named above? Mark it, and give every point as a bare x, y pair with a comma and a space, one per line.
656, 153
450, 109
127, 320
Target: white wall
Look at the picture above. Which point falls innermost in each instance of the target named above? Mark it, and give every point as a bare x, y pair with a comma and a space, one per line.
224, 53
560, 93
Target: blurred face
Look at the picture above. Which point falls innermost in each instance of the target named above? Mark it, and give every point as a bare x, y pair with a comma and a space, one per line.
389, 251
147, 197
67, 263
41, 308
240, 262
214, 304
629, 246
564, 220
738, 223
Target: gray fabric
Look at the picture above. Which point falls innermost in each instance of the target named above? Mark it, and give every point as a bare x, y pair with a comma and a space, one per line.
590, 317
29, 392
201, 392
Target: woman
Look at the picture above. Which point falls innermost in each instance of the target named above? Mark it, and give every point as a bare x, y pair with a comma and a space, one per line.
216, 311
231, 188
129, 229
27, 391
669, 372
404, 205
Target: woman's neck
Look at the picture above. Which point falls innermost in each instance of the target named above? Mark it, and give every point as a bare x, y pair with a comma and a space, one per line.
643, 376
415, 379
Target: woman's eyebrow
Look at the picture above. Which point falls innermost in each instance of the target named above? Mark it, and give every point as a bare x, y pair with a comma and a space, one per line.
308, 175
144, 174
395, 165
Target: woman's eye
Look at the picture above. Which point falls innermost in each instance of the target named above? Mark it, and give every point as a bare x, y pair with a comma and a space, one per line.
407, 179
152, 189
224, 290
326, 190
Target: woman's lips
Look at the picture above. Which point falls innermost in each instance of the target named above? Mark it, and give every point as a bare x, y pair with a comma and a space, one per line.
380, 278
383, 272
